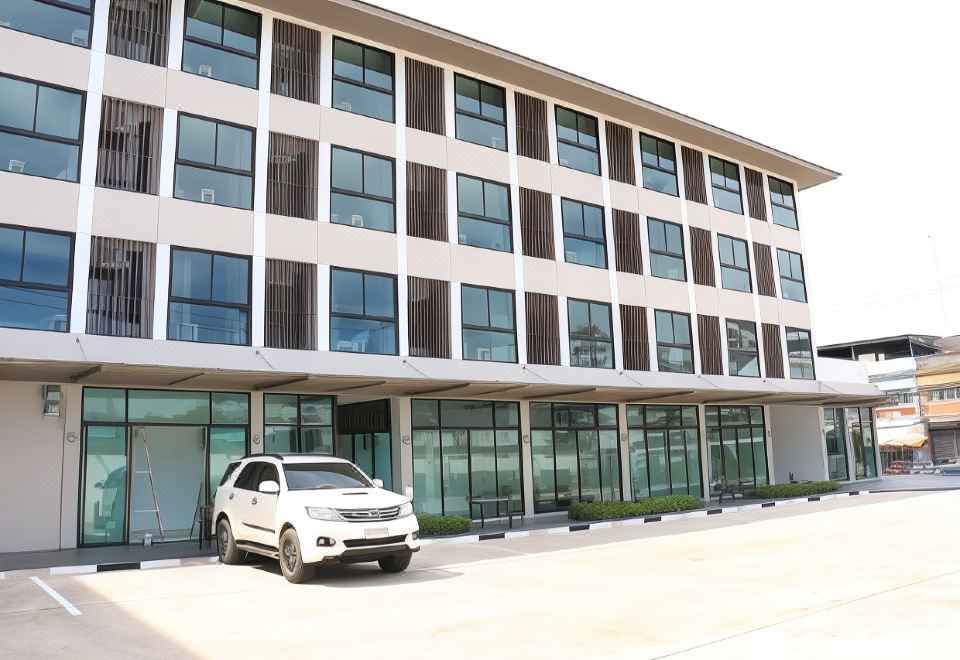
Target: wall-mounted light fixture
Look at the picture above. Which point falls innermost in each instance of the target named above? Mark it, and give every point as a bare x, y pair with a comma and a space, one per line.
405, 439
256, 438
51, 400
526, 439
623, 438
72, 436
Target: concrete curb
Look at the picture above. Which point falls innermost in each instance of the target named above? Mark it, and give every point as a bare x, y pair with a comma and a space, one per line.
466, 538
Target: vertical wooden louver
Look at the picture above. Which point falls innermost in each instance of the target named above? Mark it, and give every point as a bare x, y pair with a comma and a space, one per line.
636, 343
426, 202
756, 202
120, 287
129, 153
291, 305
701, 252
694, 182
425, 110
620, 153
292, 176
626, 235
772, 351
763, 261
532, 134
296, 62
139, 30
536, 224
711, 360
429, 312
543, 329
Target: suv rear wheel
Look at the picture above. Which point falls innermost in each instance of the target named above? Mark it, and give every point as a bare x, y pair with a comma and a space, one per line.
395, 564
291, 559
226, 545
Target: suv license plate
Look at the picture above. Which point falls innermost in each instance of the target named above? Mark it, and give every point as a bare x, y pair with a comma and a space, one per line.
375, 533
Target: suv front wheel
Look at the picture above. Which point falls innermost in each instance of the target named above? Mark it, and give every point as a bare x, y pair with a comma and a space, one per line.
226, 545
395, 564
291, 559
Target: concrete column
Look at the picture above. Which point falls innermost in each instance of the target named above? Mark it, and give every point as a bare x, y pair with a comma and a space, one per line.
704, 452
611, 249
400, 205
526, 457
256, 423
623, 441
70, 417
402, 442
162, 292
520, 302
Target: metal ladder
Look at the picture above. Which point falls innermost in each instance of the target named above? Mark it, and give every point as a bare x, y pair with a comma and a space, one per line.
153, 486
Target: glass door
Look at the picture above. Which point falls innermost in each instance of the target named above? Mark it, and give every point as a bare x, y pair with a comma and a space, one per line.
836, 439
104, 485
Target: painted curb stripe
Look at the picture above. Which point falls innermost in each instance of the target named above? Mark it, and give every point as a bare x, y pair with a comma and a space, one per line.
57, 597
652, 519
160, 563
73, 570
493, 535
580, 528
767, 505
118, 566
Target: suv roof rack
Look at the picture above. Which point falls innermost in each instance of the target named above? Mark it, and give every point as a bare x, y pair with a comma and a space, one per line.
279, 457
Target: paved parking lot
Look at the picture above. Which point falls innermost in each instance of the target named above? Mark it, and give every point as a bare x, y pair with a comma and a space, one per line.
875, 576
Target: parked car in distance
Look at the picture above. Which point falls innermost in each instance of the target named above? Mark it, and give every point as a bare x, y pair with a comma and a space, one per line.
305, 510
951, 469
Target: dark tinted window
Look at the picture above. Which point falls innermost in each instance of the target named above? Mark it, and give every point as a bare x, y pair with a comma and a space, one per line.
674, 342
221, 42
484, 214
480, 112
734, 264
488, 324
783, 204
209, 297
361, 190
62, 20
578, 145
362, 80
363, 312
659, 164
323, 476
35, 278
666, 250
584, 238
725, 181
214, 163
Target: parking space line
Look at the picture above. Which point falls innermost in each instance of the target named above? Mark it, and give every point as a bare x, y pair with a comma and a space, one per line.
57, 597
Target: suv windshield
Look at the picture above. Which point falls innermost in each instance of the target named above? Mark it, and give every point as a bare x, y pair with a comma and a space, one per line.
311, 476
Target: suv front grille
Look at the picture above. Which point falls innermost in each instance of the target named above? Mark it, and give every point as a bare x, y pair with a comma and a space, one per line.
366, 543
369, 515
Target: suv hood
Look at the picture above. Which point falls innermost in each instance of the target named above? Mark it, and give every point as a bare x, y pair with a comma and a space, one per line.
347, 498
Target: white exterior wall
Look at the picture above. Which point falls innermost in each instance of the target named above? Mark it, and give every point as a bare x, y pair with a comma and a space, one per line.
796, 443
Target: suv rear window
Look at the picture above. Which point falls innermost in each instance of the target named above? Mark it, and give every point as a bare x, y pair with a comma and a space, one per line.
313, 476
230, 470
254, 474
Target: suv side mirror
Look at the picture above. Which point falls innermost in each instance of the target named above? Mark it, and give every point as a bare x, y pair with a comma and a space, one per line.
378, 483
269, 487
408, 493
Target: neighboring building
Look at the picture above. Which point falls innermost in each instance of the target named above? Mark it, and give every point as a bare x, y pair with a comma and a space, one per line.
231, 230
938, 383
885, 348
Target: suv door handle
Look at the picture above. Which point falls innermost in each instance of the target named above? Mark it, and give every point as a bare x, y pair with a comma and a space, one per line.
253, 501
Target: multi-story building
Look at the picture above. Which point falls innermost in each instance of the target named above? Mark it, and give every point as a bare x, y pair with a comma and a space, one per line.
318, 226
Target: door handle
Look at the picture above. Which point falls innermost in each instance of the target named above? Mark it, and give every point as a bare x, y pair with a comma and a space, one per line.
231, 496
253, 501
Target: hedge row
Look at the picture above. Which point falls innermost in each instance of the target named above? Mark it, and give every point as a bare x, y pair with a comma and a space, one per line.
650, 506
443, 525
795, 490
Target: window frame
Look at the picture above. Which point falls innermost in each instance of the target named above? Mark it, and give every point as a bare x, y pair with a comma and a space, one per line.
791, 278
227, 49
596, 120
480, 116
46, 136
715, 186
734, 266
658, 167
737, 323
583, 237
508, 223
363, 179
571, 336
466, 326
20, 284
645, 426
214, 167
347, 315
299, 425
793, 196
665, 253
171, 299
364, 85
67, 7
674, 344
813, 367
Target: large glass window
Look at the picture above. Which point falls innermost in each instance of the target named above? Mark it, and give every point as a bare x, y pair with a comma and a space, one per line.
361, 190
466, 455
214, 163
35, 279
738, 450
483, 214
371, 452
297, 424
664, 450
860, 427
489, 327
659, 159
666, 250
800, 353
584, 239
40, 129
104, 485
576, 456
783, 203
68, 21
362, 79
734, 264
742, 351
209, 298
792, 285
674, 342
221, 42
591, 334
834, 433
480, 112
578, 146
363, 312
725, 181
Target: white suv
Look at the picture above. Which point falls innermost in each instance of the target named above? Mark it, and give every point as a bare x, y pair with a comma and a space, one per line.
304, 510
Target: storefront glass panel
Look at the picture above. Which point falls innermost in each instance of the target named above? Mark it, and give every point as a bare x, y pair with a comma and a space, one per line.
105, 485
736, 438
664, 450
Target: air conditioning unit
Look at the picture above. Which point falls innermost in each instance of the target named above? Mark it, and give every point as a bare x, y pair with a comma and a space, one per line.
16, 166
334, 217
5, 24
356, 220
484, 354
564, 162
344, 345
498, 143
189, 331
571, 256
60, 323
79, 38
207, 195
463, 239
205, 70
345, 105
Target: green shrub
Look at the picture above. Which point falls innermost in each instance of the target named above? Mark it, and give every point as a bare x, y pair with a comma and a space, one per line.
648, 507
443, 525
795, 490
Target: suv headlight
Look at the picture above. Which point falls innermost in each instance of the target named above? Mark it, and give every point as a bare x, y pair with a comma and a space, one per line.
323, 513
406, 509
